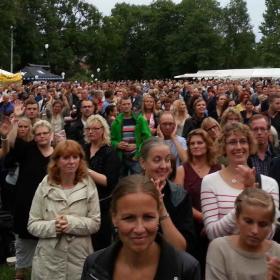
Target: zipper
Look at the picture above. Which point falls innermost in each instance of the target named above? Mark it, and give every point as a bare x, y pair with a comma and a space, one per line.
92, 276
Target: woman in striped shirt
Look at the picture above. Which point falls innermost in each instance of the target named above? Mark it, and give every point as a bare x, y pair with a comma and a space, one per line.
220, 189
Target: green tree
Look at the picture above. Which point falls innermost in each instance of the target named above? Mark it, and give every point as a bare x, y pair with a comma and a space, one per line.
239, 39
196, 44
269, 47
8, 18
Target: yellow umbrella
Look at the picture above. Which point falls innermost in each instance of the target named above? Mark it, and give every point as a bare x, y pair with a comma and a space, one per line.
6, 77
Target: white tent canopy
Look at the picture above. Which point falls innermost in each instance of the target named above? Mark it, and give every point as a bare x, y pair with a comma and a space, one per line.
234, 73
5, 72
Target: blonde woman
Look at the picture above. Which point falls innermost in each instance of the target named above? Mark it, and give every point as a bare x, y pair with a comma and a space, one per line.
180, 114
104, 166
149, 113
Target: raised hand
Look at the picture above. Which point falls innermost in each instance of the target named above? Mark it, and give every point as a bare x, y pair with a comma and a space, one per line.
5, 127
247, 175
174, 131
18, 108
159, 133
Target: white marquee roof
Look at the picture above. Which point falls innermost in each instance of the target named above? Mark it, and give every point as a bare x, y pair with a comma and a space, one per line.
234, 73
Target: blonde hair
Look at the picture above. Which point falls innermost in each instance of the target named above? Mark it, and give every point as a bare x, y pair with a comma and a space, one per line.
232, 128
42, 123
227, 113
29, 135
255, 197
209, 121
106, 139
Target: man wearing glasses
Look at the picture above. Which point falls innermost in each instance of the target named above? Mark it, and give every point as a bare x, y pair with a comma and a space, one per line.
260, 127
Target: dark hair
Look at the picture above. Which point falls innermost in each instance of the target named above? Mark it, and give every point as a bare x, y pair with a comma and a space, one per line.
272, 97
108, 94
255, 197
109, 109
30, 101
211, 156
133, 184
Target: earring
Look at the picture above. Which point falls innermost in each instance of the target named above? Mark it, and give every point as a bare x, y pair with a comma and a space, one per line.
115, 228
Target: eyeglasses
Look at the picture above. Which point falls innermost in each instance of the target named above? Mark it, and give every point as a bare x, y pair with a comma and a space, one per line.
93, 128
234, 143
167, 124
42, 133
212, 127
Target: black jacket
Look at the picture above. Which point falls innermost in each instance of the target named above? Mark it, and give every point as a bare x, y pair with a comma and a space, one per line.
173, 264
178, 204
75, 131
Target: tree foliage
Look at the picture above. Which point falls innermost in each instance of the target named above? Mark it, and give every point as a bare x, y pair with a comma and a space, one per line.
136, 41
269, 47
239, 39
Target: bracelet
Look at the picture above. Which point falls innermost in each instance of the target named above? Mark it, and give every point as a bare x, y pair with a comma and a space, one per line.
4, 139
164, 217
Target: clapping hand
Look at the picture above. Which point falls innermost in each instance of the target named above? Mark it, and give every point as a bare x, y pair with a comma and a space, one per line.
273, 268
248, 175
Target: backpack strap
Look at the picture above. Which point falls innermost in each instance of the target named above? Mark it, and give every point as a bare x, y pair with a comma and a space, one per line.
259, 180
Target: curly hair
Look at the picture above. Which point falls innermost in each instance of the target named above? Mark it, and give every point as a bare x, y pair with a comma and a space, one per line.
106, 139
211, 154
229, 112
64, 149
233, 128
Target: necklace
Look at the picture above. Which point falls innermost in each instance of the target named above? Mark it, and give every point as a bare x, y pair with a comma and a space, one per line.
234, 181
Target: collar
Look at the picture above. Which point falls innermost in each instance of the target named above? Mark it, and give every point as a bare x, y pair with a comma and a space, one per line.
103, 267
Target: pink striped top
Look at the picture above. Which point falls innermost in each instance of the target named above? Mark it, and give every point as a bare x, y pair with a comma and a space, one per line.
217, 203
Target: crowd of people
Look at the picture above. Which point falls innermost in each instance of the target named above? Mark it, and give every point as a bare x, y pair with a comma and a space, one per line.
155, 179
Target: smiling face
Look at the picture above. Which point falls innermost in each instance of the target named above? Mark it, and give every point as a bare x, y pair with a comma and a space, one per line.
137, 219
237, 148
254, 223
157, 165
249, 106
200, 107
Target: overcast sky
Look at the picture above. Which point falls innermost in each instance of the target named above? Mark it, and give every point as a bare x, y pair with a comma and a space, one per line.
255, 8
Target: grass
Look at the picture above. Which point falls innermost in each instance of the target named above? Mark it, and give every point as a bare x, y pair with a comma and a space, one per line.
8, 272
